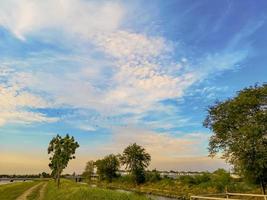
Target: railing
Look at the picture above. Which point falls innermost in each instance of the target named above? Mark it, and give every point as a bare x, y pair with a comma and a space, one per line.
228, 194
210, 198
248, 195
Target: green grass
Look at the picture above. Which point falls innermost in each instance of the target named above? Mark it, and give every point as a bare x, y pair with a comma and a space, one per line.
35, 193
14, 190
73, 191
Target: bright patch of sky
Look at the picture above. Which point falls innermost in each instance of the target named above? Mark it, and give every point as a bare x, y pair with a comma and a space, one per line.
117, 72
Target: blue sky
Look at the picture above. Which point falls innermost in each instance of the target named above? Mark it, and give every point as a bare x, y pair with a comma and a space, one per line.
111, 73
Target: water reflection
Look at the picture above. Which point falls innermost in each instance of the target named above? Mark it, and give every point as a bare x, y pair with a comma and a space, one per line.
16, 181
152, 197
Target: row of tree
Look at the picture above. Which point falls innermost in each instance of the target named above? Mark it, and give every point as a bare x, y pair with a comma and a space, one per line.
134, 158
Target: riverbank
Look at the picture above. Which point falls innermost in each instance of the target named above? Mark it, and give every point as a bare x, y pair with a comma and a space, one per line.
173, 191
180, 188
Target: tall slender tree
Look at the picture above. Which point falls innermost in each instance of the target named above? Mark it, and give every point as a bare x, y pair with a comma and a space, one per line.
62, 150
136, 159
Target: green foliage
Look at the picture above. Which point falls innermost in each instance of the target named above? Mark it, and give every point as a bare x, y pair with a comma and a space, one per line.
89, 170
136, 159
45, 175
107, 167
240, 132
220, 180
153, 176
125, 179
188, 180
62, 150
204, 183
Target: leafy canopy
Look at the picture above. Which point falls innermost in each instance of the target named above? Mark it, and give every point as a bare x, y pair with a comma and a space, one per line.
62, 150
136, 159
107, 167
239, 127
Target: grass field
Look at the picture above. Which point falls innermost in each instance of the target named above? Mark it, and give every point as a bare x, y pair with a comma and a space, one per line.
14, 190
68, 190
73, 191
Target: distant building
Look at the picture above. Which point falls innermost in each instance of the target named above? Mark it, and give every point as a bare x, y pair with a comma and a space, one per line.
123, 172
175, 175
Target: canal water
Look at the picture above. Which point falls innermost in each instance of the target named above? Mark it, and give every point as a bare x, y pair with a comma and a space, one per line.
8, 182
4, 182
153, 197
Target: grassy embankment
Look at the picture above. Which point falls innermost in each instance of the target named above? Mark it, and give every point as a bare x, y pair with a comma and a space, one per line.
14, 190
73, 191
185, 186
68, 190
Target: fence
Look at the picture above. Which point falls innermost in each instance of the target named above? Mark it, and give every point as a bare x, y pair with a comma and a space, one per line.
246, 195
228, 194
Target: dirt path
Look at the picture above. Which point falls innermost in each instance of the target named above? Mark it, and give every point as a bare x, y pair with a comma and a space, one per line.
27, 192
42, 191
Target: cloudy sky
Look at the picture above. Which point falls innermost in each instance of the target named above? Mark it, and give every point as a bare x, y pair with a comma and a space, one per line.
111, 73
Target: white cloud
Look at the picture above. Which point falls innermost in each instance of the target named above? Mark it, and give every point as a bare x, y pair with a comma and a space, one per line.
143, 70
138, 70
16, 101
168, 151
121, 72
133, 47
139, 74
159, 145
80, 17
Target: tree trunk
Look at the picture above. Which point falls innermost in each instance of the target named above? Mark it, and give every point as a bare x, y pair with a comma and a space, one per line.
263, 187
58, 179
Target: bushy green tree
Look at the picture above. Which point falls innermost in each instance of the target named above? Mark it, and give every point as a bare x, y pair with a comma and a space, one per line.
89, 170
108, 167
136, 159
62, 150
45, 175
239, 127
221, 179
153, 176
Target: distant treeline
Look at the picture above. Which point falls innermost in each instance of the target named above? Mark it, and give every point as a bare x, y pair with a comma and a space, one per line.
40, 175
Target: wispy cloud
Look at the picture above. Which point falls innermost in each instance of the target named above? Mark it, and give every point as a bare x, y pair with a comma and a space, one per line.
78, 55
16, 101
76, 17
